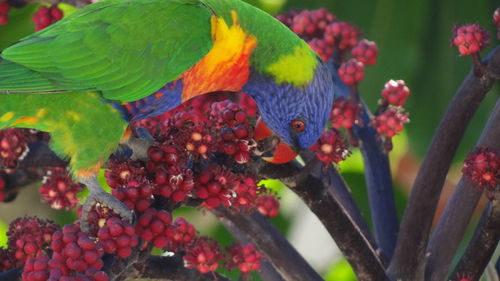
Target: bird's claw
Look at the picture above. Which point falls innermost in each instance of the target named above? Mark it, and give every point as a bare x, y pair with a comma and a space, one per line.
98, 197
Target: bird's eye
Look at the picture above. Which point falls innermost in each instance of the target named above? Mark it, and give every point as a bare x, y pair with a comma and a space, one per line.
298, 125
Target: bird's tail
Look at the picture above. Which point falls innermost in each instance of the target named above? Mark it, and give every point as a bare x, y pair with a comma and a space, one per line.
17, 79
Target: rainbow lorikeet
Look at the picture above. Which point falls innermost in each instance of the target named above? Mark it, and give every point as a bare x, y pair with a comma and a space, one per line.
72, 78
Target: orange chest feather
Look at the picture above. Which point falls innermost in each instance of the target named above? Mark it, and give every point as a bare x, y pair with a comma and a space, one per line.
226, 66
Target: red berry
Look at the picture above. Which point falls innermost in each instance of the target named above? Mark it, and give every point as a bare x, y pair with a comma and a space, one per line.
59, 190
331, 147
320, 46
482, 167
341, 34
268, 205
390, 122
344, 113
351, 72
204, 255
246, 258
365, 52
470, 38
395, 92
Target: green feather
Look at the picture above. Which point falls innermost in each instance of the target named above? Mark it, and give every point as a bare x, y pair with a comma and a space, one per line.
125, 49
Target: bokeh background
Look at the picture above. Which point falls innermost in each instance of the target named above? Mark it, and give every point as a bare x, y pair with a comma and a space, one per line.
413, 38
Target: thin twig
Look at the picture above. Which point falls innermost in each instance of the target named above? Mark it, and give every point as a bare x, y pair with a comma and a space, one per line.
285, 259
417, 220
482, 245
450, 230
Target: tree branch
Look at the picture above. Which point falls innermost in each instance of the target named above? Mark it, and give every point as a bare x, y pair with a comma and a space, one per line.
453, 223
377, 176
482, 245
327, 195
267, 272
286, 260
417, 220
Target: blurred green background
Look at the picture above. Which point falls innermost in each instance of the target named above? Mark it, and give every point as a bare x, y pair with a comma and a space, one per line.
414, 45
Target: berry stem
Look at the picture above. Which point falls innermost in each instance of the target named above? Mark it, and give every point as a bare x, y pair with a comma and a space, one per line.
417, 220
458, 212
482, 245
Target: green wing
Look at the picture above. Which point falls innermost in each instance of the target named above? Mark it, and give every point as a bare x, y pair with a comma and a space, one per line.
125, 49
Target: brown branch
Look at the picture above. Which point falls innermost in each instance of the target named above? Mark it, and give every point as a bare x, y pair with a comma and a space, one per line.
453, 223
326, 194
40, 155
155, 268
417, 220
267, 272
285, 259
482, 245
172, 269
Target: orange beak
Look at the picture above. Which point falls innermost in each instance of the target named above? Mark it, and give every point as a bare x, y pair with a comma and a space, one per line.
282, 152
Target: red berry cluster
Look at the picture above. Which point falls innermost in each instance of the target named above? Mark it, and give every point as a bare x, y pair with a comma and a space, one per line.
482, 167
342, 35
395, 92
344, 113
204, 255
247, 104
118, 237
13, 146
130, 184
46, 16
184, 233
58, 190
308, 23
366, 52
214, 186
235, 131
470, 38
4, 12
244, 257
154, 225
331, 147
351, 72
268, 205
246, 192
27, 236
7, 259
75, 256
390, 122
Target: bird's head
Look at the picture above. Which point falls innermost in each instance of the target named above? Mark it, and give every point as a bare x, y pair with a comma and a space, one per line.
296, 114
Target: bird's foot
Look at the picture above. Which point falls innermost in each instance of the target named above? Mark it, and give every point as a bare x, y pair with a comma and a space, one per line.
99, 197
139, 147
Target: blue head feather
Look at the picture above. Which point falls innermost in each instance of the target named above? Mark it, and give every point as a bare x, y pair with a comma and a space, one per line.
280, 104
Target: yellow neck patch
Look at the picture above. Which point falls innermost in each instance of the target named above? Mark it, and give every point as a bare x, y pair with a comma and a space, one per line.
296, 68
226, 66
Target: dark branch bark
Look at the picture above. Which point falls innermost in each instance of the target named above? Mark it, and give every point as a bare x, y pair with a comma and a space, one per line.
417, 220
40, 155
377, 176
482, 245
453, 223
172, 269
11, 275
156, 268
267, 272
285, 259
327, 195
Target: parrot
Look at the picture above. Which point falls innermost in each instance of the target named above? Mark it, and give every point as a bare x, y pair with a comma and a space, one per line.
77, 77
